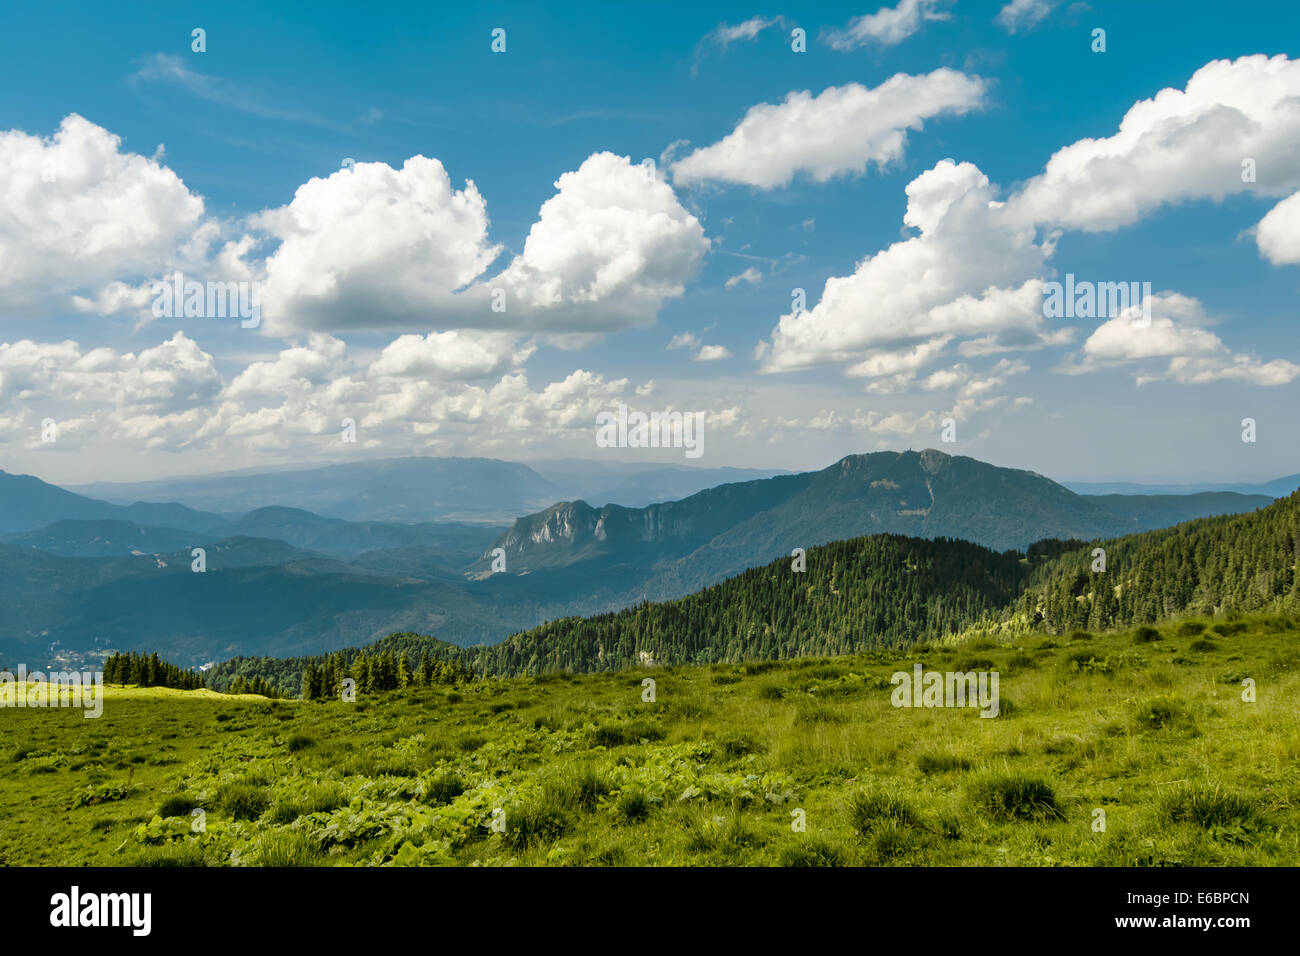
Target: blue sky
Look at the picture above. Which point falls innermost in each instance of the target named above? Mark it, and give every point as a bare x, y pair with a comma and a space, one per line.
376, 283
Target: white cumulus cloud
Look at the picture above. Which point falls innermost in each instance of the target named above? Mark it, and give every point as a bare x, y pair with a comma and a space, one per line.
888, 26
840, 131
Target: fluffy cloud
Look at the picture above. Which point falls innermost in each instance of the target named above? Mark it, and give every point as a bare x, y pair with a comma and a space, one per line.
76, 212
1024, 14
452, 355
1241, 368
171, 398
838, 132
156, 398
173, 375
315, 363
1179, 145
888, 26
375, 246
899, 361
976, 269
1278, 234
967, 273
1127, 338
606, 250
1175, 332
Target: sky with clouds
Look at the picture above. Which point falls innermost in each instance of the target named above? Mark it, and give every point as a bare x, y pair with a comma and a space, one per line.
829, 227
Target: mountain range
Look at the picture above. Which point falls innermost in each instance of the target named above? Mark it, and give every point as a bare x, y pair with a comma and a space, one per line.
482, 490
889, 591
682, 546
80, 574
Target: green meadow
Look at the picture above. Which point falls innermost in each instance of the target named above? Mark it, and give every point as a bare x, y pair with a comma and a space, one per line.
1133, 748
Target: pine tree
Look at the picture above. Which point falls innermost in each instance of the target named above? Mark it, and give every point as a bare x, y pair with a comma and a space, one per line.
311, 683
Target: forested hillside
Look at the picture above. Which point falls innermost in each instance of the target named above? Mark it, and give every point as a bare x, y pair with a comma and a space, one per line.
1233, 563
886, 590
867, 592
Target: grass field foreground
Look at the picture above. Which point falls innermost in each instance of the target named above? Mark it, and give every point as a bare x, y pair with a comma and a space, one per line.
1135, 748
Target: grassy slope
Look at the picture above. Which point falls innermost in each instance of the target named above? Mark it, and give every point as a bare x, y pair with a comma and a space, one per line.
1156, 734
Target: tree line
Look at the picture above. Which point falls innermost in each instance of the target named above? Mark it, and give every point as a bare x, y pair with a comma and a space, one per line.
876, 591
149, 670
402, 659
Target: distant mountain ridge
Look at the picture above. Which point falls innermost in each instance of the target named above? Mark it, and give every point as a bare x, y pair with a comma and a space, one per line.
27, 503
1277, 488
688, 544
417, 489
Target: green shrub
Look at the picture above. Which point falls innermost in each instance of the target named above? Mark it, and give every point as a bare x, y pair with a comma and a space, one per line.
286, 848
936, 761
1080, 660
1014, 796
1190, 628
1146, 635
870, 809
443, 788
1159, 713
580, 789
632, 806
299, 742
178, 805
538, 821
620, 734
1020, 661
816, 712
810, 851
1209, 808
242, 801
891, 839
